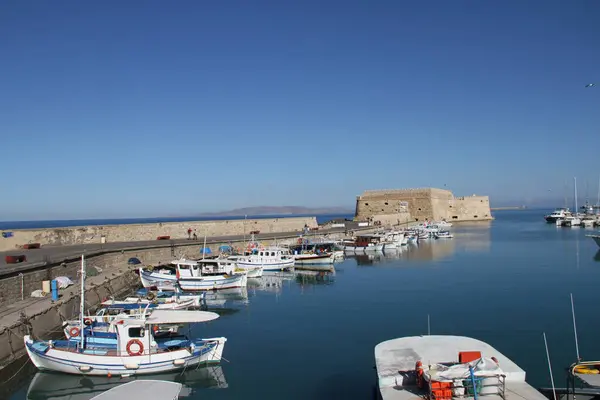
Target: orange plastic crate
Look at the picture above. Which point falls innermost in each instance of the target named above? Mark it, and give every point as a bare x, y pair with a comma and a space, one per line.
468, 356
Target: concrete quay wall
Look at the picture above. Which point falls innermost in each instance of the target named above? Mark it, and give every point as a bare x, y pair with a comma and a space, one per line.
138, 232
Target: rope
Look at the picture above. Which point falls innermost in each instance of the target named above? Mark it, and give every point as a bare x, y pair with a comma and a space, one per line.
19, 370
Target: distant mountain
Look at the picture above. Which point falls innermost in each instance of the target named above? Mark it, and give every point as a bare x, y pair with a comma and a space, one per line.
283, 210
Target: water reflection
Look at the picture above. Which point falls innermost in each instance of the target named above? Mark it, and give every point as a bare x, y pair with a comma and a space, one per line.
48, 385
597, 256
315, 277
226, 301
270, 281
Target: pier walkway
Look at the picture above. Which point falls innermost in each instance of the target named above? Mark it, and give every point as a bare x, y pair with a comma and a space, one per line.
38, 258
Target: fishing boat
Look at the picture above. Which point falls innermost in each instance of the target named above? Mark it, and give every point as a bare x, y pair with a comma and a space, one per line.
193, 275
138, 349
443, 235
102, 322
268, 258
583, 377
445, 367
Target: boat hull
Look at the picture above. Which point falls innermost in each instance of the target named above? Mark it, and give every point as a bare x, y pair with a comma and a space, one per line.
302, 260
279, 266
156, 279
217, 283
46, 358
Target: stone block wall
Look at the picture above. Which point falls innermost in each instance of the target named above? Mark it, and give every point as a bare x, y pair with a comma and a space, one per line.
139, 232
422, 204
469, 208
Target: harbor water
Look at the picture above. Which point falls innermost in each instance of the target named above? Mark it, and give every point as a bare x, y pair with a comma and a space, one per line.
311, 336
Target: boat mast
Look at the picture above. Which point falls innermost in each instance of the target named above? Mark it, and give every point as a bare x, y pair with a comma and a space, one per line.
598, 201
576, 209
549, 367
82, 306
204, 246
575, 328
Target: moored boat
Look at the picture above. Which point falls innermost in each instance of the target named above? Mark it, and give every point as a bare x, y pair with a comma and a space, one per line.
559, 213
269, 258
138, 350
444, 367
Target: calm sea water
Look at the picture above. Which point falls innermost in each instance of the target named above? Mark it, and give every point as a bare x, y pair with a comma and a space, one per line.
313, 337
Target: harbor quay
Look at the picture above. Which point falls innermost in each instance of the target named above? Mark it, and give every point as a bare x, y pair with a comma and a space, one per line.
21, 314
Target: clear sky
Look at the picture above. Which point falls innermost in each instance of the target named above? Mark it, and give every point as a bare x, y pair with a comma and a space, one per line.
148, 108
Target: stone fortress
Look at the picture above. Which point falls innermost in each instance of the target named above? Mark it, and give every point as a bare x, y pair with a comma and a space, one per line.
395, 206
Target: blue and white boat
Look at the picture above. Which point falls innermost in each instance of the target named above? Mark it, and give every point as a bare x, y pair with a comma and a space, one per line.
138, 348
193, 275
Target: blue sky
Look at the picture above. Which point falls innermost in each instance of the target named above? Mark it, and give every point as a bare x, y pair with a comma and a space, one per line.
125, 109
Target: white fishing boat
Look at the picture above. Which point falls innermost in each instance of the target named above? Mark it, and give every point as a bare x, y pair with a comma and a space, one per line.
103, 321
447, 367
269, 258
171, 303
443, 235
443, 225
138, 350
143, 390
193, 275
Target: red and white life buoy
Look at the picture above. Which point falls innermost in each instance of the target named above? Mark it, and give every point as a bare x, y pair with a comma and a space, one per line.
140, 347
74, 331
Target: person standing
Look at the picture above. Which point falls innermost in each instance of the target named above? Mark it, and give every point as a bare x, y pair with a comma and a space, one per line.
189, 231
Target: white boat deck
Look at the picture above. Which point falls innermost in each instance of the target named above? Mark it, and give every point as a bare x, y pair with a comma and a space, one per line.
396, 356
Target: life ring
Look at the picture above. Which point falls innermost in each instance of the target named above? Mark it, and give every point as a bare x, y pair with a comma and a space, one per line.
87, 321
139, 344
74, 331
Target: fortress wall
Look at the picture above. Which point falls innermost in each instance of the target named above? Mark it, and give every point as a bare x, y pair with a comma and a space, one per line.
471, 208
422, 204
138, 232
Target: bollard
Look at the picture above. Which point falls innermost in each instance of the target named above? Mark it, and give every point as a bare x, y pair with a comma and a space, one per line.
54, 289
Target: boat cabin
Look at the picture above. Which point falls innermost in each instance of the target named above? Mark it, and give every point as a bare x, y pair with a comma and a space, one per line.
367, 240
207, 267
268, 255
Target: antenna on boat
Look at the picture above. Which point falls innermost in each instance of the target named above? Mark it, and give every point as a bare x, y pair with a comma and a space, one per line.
82, 306
428, 326
575, 328
550, 367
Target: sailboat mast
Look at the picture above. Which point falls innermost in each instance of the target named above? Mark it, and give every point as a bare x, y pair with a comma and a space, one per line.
576, 209
82, 309
598, 201
204, 247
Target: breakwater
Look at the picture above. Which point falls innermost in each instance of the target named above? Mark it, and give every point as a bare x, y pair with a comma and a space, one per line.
13, 239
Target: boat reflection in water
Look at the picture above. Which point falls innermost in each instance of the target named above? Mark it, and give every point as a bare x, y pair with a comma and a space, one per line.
315, 277
50, 385
271, 281
223, 299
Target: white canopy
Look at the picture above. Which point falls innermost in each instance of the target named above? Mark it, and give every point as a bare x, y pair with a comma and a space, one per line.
143, 390
179, 317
